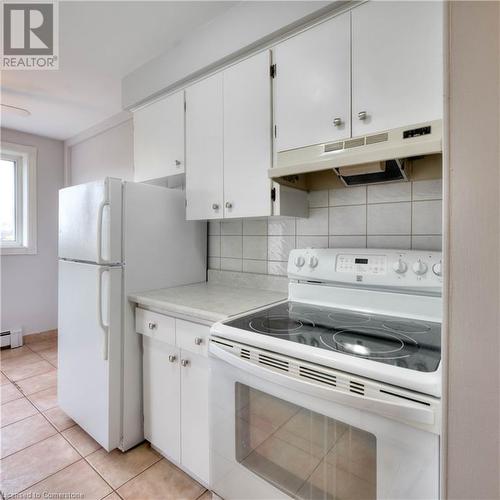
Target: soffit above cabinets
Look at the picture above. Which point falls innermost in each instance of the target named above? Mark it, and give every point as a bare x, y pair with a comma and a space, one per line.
240, 30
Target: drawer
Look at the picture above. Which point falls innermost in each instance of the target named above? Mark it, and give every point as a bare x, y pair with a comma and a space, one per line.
154, 325
192, 336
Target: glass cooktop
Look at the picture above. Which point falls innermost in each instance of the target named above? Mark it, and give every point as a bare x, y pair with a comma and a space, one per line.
402, 342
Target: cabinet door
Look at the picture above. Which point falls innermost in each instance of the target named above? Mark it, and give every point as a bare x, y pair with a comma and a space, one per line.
397, 64
247, 137
312, 99
194, 414
159, 139
204, 149
161, 385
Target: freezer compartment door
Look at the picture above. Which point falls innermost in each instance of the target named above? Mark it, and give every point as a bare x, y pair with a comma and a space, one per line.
90, 222
89, 379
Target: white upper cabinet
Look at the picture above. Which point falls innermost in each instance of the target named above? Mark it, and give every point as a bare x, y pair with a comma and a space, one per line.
397, 65
159, 138
204, 149
247, 137
229, 142
313, 85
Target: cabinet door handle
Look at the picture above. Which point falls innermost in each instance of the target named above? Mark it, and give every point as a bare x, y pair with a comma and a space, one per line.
229, 204
151, 325
362, 115
215, 206
177, 163
172, 358
184, 362
198, 340
337, 122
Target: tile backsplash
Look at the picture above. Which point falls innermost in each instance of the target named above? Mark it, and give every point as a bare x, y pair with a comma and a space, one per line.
402, 215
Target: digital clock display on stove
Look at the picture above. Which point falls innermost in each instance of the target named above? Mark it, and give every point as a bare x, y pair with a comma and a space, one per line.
359, 264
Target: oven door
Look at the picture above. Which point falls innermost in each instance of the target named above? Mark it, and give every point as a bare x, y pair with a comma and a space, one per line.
273, 437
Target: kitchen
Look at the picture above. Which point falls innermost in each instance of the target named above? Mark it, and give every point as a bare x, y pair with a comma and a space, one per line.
258, 278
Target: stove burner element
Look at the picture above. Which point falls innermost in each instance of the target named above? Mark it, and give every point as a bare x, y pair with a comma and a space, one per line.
366, 336
409, 327
371, 343
348, 318
279, 325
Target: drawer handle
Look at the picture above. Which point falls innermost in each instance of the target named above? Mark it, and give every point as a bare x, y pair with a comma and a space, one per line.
172, 358
184, 362
151, 325
198, 340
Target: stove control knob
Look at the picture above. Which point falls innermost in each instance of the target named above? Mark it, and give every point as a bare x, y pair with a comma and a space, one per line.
419, 267
437, 268
400, 266
299, 261
313, 261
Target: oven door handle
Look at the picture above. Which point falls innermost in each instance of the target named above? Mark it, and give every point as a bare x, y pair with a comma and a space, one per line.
407, 411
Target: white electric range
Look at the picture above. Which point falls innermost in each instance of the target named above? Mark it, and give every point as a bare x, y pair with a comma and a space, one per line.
334, 393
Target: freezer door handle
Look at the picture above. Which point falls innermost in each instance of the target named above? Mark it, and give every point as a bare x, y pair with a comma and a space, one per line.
100, 214
104, 327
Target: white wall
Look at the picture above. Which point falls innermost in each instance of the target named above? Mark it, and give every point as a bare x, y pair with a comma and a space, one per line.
229, 35
29, 282
473, 421
103, 152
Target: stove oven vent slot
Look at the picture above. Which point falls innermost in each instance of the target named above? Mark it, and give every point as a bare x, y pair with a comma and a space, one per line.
245, 354
357, 388
318, 376
225, 344
425, 403
279, 364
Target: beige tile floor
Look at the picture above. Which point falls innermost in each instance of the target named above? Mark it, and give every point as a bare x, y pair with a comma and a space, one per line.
44, 454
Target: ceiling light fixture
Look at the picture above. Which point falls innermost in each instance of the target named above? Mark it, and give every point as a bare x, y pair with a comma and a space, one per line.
15, 110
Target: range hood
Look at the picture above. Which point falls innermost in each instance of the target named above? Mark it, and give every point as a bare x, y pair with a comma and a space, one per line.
368, 159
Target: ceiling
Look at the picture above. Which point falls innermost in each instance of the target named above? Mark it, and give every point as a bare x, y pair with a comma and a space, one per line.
99, 43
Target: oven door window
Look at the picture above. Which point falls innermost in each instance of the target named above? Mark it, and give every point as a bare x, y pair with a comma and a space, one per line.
303, 453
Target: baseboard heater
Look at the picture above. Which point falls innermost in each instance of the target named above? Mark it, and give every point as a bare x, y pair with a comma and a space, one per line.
11, 338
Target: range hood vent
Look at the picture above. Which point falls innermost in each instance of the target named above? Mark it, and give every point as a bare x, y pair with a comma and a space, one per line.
373, 173
378, 157
355, 143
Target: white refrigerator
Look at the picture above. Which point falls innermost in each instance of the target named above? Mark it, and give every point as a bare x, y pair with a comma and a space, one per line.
115, 238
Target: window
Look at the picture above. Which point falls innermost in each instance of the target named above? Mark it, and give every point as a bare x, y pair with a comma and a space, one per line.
17, 199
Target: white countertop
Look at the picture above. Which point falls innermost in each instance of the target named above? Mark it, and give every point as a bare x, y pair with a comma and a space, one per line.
207, 301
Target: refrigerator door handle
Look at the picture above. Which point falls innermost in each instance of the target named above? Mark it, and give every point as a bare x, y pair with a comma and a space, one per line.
100, 214
104, 327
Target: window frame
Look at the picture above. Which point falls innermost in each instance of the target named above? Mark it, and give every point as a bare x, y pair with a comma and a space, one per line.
18, 197
26, 203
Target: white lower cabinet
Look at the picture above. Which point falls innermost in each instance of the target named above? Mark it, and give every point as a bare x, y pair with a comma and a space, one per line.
162, 392
194, 414
175, 379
